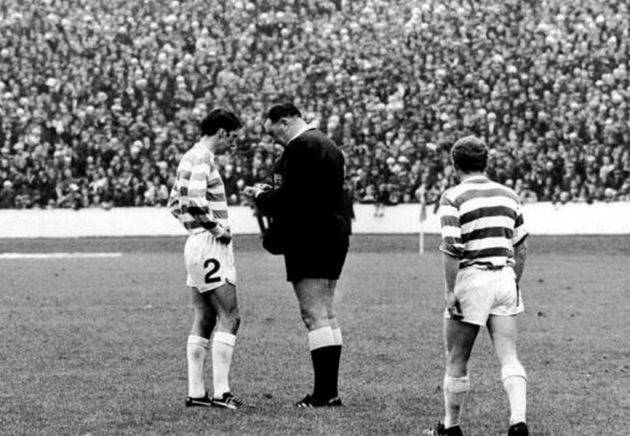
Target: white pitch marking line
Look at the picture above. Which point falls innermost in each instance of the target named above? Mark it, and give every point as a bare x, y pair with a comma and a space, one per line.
74, 255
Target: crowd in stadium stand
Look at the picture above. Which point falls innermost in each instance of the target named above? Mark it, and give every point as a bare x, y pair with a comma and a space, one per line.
100, 98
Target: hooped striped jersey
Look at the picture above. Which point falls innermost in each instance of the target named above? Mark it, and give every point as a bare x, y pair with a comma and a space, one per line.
198, 199
481, 223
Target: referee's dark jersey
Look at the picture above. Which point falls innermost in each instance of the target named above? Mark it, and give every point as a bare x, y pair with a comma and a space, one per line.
481, 223
309, 205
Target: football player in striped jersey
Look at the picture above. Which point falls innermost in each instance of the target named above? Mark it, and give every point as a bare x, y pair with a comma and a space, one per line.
198, 201
484, 250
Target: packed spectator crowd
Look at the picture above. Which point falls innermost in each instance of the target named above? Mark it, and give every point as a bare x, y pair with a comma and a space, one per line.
100, 98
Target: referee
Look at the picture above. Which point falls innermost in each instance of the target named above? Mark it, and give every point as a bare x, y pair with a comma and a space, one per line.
484, 250
308, 205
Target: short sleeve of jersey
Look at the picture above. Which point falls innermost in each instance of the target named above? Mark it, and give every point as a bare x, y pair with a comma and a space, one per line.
450, 228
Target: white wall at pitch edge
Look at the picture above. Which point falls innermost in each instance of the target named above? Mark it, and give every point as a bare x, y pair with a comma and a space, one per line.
540, 218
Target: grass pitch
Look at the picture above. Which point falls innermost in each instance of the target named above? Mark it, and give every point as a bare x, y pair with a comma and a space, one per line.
97, 346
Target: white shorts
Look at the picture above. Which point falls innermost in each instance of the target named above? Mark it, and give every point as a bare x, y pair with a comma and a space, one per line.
209, 264
483, 292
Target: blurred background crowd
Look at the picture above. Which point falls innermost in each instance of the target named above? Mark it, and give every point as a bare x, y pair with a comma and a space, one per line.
100, 98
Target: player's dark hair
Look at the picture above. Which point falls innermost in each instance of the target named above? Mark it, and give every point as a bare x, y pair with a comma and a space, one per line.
219, 119
283, 110
470, 154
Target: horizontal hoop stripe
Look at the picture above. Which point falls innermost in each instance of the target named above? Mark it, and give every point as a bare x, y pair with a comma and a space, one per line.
485, 212
452, 250
488, 252
482, 244
220, 214
456, 191
452, 231
197, 185
495, 221
447, 209
478, 203
450, 240
198, 175
488, 232
449, 220
492, 191
184, 174
196, 193
196, 210
215, 182
220, 196
496, 261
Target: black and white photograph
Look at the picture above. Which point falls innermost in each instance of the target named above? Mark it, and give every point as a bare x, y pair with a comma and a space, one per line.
315, 217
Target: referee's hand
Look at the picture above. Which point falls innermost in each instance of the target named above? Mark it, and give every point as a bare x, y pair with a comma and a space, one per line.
453, 307
256, 190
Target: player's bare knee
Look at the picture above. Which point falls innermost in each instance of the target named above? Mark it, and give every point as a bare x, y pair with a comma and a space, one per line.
308, 318
456, 363
313, 320
234, 321
204, 325
230, 320
202, 329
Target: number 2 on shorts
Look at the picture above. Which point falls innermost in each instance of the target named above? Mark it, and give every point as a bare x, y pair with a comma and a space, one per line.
215, 267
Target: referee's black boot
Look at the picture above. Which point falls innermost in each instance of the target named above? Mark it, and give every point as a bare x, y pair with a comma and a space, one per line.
439, 430
519, 429
310, 402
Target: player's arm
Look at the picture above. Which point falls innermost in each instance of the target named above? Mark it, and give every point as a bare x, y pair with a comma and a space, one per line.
452, 251
520, 254
173, 202
198, 205
451, 268
519, 242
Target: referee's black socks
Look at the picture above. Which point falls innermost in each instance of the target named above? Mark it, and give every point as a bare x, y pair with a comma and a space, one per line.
336, 359
325, 346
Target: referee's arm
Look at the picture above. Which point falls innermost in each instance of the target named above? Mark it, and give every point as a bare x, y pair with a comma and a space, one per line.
295, 186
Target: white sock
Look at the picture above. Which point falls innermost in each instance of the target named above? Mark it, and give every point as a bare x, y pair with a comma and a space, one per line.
515, 384
337, 336
222, 349
455, 389
196, 351
321, 337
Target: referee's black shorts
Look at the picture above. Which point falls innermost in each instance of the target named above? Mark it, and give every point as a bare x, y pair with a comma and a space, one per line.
315, 261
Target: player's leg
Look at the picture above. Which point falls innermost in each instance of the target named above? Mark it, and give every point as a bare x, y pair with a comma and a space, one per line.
311, 294
197, 347
503, 332
225, 304
459, 338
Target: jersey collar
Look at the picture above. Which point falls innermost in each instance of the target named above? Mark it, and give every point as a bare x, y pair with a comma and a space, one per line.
302, 130
478, 178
